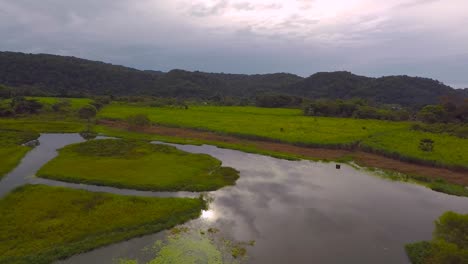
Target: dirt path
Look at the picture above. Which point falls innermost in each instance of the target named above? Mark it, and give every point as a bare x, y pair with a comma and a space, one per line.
362, 158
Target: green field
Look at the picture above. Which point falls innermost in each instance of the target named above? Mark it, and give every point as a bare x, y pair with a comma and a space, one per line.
404, 144
394, 139
287, 125
138, 165
11, 150
40, 224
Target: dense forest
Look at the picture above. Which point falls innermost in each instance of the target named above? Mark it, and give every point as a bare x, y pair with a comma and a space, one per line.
43, 74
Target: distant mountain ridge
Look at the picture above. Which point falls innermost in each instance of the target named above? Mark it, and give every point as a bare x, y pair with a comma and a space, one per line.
70, 76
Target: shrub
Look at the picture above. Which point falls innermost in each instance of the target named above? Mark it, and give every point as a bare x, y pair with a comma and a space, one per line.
449, 244
87, 112
63, 105
426, 144
139, 120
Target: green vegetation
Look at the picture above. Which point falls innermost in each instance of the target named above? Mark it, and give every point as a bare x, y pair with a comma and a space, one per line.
75, 103
190, 246
449, 244
393, 139
286, 125
356, 108
44, 123
44, 74
11, 149
138, 165
43, 114
438, 185
404, 144
40, 224
245, 146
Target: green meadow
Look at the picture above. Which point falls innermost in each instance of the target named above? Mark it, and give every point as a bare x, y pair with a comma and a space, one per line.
394, 139
40, 224
404, 144
138, 165
11, 149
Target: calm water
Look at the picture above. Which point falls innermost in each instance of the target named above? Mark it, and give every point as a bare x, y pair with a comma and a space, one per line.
296, 211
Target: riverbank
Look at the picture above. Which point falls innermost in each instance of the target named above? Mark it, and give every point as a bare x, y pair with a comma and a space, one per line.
288, 151
41, 224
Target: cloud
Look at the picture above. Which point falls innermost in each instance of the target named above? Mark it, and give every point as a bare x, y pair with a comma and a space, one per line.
203, 9
419, 37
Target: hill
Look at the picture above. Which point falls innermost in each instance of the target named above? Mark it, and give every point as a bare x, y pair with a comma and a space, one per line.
403, 90
69, 76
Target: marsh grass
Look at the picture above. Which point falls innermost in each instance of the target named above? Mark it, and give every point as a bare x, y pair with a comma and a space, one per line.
41, 224
137, 164
438, 185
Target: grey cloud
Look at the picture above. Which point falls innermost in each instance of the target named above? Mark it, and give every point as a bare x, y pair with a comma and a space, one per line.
202, 10
148, 34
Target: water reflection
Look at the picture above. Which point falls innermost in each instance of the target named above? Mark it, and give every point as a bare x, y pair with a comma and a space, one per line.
309, 212
296, 211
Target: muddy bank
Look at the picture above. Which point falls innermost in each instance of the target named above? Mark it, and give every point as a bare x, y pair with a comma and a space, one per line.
362, 158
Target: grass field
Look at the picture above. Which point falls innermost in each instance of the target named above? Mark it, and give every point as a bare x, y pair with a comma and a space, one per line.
11, 150
287, 125
40, 224
404, 144
138, 165
394, 139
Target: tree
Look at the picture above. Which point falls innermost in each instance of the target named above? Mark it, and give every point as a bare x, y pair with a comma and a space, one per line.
21, 105
433, 114
87, 112
5, 92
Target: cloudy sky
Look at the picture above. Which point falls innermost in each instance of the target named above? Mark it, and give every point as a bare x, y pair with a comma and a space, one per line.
371, 37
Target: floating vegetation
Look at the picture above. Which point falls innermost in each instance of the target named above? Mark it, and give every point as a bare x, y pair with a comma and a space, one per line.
185, 245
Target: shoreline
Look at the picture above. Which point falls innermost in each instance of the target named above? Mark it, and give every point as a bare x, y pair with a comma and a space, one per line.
362, 158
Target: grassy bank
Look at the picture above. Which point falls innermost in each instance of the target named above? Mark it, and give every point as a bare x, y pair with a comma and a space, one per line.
393, 139
40, 224
44, 123
138, 165
435, 183
11, 149
245, 147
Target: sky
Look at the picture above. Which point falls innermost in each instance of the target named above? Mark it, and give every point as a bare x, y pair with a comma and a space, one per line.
427, 38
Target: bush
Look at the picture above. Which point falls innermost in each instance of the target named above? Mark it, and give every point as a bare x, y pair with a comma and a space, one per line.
426, 144
21, 105
87, 112
453, 228
139, 120
64, 105
449, 244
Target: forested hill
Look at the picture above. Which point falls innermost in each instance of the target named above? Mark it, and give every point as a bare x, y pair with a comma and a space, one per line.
403, 90
70, 76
